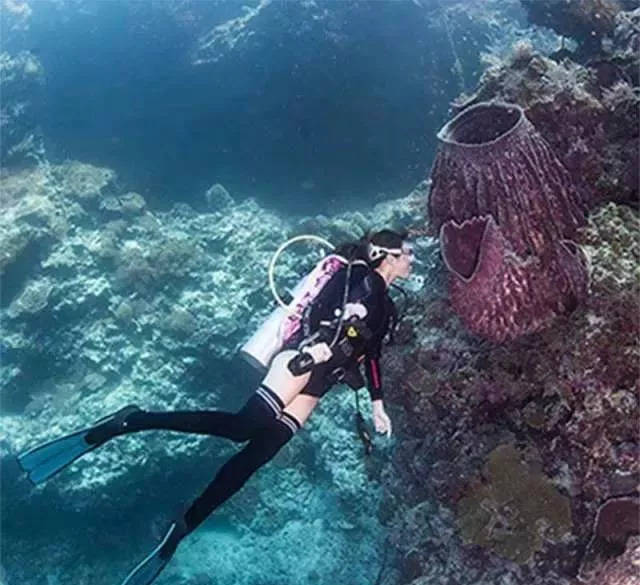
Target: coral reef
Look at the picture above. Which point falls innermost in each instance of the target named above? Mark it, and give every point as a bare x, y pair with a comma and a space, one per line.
22, 78
506, 210
626, 35
107, 302
620, 570
616, 520
589, 114
568, 397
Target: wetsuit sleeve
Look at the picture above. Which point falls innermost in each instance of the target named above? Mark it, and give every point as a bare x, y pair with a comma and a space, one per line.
378, 321
373, 373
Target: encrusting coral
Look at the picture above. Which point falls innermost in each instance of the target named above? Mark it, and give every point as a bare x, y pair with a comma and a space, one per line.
515, 510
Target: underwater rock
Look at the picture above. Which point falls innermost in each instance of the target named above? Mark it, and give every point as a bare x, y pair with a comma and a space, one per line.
33, 299
143, 269
85, 183
627, 33
515, 510
586, 21
617, 520
123, 205
34, 218
620, 570
506, 210
180, 323
217, 197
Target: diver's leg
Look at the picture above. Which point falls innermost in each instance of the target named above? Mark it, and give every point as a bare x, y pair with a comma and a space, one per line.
301, 407
261, 408
239, 468
278, 389
230, 478
280, 379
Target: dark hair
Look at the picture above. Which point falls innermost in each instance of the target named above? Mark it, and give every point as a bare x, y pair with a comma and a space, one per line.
359, 249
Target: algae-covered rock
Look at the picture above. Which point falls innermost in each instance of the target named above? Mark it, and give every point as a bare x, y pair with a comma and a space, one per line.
588, 117
33, 299
515, 510
84, 182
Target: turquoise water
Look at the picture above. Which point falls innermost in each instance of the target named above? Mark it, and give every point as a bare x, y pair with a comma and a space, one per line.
127, 278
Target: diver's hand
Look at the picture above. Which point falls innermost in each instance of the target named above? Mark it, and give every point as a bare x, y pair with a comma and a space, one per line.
320, 352
381, 420
354, 310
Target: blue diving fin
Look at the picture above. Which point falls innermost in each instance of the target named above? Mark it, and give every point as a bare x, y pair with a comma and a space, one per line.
44, 461
153, 564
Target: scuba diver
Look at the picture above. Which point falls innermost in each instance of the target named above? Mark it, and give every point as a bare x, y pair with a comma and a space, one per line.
344, 325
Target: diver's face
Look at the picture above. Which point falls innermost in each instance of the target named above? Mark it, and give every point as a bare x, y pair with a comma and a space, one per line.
404, 261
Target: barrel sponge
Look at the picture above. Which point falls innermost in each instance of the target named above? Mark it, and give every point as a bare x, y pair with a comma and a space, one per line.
507, 213
499, 295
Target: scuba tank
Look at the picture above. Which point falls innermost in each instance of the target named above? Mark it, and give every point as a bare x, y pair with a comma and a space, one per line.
286, 319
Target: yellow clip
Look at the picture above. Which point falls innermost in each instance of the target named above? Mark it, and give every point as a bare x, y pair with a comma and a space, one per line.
351, 332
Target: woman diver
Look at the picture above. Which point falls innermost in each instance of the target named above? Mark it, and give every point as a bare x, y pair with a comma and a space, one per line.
345, 325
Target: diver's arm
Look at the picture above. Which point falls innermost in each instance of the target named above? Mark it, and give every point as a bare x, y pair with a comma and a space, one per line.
381, 420
375, 314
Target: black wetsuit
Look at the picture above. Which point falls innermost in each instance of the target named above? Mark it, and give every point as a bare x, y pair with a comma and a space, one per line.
370, 289
262, 421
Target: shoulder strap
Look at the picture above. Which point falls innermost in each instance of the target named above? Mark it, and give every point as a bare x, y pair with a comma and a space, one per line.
363, 289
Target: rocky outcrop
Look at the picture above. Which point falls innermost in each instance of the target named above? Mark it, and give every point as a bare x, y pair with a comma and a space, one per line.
22, 78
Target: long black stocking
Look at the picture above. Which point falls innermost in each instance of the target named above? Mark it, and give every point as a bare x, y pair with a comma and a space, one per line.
239, 468
259, 411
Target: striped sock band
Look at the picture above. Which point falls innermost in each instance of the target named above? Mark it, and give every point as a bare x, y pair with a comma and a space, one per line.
291, 422
271, 398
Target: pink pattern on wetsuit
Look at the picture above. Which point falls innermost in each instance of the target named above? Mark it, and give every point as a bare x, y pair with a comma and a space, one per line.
315, 282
